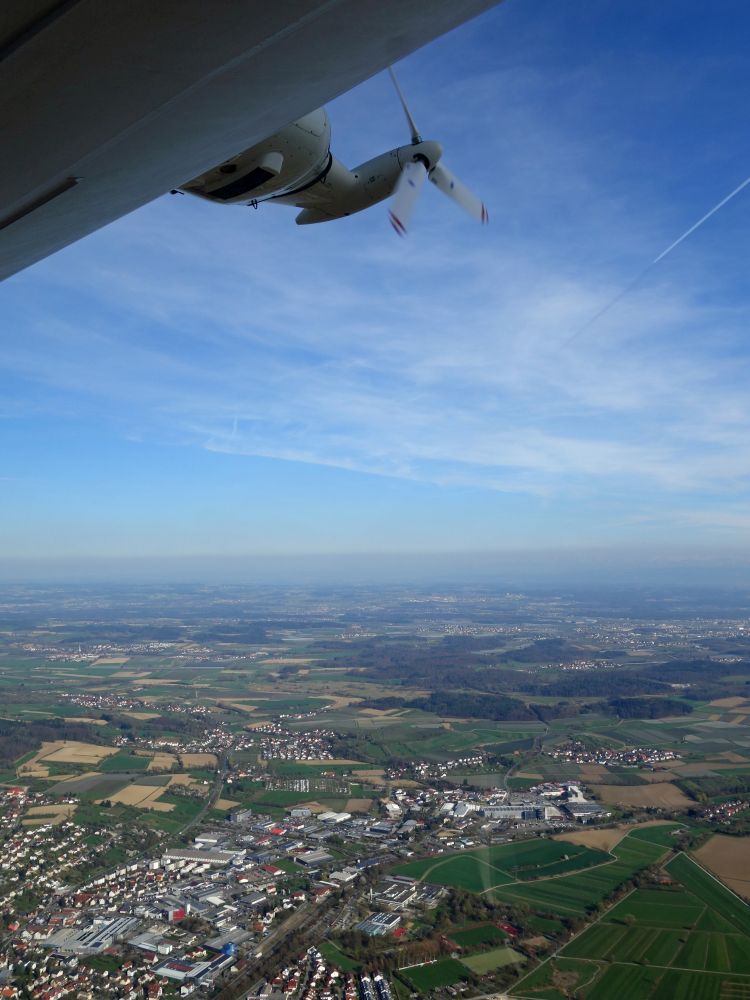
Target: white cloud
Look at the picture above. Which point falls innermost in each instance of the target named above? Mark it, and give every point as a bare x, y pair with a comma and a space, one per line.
446, 358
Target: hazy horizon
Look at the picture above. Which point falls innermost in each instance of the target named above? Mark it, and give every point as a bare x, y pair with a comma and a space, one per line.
662, 567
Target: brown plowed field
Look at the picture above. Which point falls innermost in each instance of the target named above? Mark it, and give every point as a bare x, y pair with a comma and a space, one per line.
662, 794
729, 859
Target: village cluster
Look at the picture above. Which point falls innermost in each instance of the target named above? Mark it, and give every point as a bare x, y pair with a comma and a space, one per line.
278, 743
576, 752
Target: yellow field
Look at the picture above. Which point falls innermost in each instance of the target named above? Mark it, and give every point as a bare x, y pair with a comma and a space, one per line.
729, 859
162, 762
606, 839
133, 795
198, 759
110, 661
182, 779
225, 804
63, 752
142, 715
728, 702
79, 753
644, 795
85, 718
142, 796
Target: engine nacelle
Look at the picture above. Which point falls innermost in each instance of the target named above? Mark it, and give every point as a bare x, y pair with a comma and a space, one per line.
291, 158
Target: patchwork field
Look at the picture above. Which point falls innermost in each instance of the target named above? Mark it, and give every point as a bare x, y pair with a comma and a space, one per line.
162, 762
52, 814
63, 752
578, 894
606, 838
688, 939
489, 867
141, 796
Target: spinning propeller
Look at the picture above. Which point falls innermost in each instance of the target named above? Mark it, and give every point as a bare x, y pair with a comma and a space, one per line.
422, 166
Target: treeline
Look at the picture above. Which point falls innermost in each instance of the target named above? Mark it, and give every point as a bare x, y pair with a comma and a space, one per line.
699, 671
545, 651
646, 708
702, 789
20, 738
593, 684
501, 708
475, 706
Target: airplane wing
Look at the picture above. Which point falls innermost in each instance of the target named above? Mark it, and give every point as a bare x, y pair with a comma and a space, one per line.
107, 105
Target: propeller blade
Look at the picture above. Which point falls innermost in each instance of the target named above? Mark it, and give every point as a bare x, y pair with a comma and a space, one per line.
415, 136
405, 196
444, 181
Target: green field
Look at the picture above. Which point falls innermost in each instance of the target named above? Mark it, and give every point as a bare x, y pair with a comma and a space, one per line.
689, 941
711, 892
123, 762
338, 958
488, 867
488, 961
576, 895
472, 937
445, 972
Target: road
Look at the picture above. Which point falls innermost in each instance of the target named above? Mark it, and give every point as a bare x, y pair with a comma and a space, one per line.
213, 797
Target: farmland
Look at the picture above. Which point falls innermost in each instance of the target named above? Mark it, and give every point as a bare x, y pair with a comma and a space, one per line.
576, 895
687, 938
445, 972
398, 707
485, 868
497, 958
729, 859
474, 936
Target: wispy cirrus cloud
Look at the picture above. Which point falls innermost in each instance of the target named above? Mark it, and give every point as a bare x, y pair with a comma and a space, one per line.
445, 359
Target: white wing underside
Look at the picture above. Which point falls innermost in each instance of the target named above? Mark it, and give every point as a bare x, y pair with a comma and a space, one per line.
157, 93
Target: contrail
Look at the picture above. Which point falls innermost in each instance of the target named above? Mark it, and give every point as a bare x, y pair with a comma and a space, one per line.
628, 288
700, 222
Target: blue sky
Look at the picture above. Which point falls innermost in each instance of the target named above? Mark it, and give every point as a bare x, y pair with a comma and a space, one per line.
197, 380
